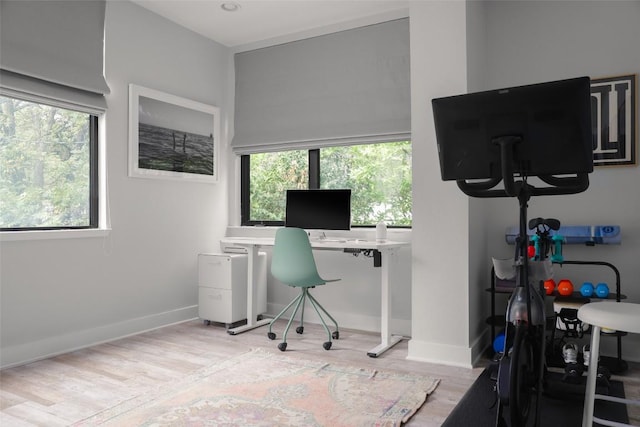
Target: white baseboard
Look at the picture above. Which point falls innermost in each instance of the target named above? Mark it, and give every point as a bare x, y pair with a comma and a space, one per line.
59, 344
444, 354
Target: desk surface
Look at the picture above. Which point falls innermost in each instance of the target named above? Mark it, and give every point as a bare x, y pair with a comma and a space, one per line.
328, 243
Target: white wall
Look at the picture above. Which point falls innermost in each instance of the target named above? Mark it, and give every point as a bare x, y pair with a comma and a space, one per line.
58, 295
441, 244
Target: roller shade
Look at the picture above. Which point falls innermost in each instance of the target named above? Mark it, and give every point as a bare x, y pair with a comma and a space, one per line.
342, 88
54, 49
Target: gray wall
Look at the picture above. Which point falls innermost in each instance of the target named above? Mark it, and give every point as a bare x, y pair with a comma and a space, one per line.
529, 42
62, 294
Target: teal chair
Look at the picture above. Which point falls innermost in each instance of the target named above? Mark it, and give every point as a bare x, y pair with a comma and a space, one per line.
293, 264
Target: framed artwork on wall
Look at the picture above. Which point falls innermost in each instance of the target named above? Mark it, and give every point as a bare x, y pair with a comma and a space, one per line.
614, 120
172, 137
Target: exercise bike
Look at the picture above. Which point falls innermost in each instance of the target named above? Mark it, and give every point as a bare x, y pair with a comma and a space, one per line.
501, 143
521, 368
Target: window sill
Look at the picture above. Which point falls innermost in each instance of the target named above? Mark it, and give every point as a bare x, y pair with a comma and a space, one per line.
9, 236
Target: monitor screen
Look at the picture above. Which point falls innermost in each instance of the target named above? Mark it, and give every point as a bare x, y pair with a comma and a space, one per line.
551, 121
319, 209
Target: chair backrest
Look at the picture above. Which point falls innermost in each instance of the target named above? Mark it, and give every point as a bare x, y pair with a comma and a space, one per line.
292, 261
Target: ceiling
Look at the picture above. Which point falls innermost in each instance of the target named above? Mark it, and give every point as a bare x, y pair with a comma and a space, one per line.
273, 21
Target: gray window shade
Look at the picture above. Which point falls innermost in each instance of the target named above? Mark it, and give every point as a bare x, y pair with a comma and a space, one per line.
54, 49
342, 88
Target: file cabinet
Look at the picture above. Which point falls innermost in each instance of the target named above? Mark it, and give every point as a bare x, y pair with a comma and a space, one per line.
222, 287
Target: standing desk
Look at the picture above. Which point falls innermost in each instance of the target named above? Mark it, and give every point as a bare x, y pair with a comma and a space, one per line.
387, 251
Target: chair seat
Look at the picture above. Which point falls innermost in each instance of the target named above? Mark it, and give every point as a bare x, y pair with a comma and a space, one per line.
619, 316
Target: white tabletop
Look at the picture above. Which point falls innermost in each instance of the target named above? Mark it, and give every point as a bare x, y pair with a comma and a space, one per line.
328, 243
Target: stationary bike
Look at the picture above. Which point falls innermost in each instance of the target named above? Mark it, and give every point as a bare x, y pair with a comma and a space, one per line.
521, 368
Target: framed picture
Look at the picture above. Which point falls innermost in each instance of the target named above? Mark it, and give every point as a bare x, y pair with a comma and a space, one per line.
172, 137
614, 120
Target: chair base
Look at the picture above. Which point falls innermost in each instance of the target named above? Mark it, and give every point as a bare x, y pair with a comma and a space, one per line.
299, 303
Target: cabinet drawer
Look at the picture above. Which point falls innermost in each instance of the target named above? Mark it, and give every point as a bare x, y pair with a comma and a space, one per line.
220, 271
216, 305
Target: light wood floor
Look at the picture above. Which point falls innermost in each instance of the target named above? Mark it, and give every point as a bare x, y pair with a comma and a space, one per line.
68, 388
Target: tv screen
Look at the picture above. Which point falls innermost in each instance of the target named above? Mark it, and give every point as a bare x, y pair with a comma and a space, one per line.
551, 122
319, 209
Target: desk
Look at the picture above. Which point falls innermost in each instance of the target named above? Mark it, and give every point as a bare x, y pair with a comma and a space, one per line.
386, 249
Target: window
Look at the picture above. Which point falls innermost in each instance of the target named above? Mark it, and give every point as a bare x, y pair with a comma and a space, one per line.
379, 176
48, 167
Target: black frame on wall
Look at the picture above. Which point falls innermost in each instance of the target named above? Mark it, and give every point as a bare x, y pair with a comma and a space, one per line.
614, 120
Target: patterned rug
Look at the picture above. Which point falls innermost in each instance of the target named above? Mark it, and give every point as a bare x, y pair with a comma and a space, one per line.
263, 389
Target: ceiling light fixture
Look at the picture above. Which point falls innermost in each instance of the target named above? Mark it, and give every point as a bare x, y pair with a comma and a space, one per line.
230, 7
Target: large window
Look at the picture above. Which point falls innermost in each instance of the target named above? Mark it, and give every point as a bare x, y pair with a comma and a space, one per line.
379, 176
48, 167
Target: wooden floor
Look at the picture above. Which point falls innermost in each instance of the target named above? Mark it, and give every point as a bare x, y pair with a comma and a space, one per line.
68, 388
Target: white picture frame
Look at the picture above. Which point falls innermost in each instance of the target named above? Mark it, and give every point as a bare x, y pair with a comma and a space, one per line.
171, 137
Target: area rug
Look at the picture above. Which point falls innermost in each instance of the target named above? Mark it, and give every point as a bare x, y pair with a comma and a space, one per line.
259, 388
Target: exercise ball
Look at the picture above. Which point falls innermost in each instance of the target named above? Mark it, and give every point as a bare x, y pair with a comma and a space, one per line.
586, 290
549, 286
498, 343
602, 290
565, 287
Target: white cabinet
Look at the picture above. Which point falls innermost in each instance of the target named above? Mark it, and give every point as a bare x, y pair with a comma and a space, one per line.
222, 287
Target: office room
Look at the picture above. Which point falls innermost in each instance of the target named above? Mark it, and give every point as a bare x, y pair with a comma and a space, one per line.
66, 291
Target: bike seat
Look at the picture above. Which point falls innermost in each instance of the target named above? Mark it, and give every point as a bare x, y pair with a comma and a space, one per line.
552, 223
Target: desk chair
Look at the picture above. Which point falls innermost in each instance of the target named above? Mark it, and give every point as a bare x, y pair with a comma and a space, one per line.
293, 264
619, 316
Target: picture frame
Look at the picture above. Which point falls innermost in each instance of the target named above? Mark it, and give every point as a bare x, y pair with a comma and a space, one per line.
171, 137
614, 118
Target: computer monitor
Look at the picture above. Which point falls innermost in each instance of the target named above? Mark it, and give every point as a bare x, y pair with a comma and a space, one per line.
549, 123
319, 209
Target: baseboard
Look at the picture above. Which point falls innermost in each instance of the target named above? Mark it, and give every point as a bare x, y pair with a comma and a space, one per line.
52, 346
444, 354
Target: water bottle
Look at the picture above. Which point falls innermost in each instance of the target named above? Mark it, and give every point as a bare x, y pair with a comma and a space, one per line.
381, 232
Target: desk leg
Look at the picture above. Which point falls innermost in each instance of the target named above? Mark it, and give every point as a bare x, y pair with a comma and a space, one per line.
252, 316
387, 340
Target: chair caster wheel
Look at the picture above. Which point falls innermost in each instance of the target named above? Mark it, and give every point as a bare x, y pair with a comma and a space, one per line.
335, 335
300, 329
282, 346
327, 345
271, 336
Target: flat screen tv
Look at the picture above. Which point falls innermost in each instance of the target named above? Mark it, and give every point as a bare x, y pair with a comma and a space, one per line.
319, 209
549, 126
